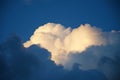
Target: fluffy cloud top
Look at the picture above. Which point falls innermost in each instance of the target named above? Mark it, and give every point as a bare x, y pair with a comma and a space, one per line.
61, 42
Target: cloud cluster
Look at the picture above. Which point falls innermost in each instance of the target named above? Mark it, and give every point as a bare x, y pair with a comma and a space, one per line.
87, 46
61, 42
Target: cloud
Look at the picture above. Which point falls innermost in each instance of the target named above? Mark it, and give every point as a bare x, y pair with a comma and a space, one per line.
106, 59
87, 46
62, 41
28, 2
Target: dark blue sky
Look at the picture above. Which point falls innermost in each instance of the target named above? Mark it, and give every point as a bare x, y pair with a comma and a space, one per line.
22, 17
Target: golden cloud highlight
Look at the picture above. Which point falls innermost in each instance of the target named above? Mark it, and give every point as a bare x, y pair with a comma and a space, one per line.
61, 42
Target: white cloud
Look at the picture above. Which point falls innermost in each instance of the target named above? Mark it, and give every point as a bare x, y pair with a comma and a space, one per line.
86, 45
61, 42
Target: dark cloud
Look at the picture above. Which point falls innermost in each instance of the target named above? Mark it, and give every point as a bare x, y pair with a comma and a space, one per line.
33, 63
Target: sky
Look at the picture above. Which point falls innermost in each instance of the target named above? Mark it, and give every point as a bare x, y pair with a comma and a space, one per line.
22, 17
59, 39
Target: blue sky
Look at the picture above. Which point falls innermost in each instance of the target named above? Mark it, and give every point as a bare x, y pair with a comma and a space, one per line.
90, 55
22, 17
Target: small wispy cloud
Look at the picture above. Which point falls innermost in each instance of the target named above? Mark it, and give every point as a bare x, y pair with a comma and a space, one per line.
28, 2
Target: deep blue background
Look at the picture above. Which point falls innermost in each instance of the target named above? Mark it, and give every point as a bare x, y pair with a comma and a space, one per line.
22, 17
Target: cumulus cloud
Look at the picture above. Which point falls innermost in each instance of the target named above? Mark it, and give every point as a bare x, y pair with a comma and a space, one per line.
87, 46
61, 42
